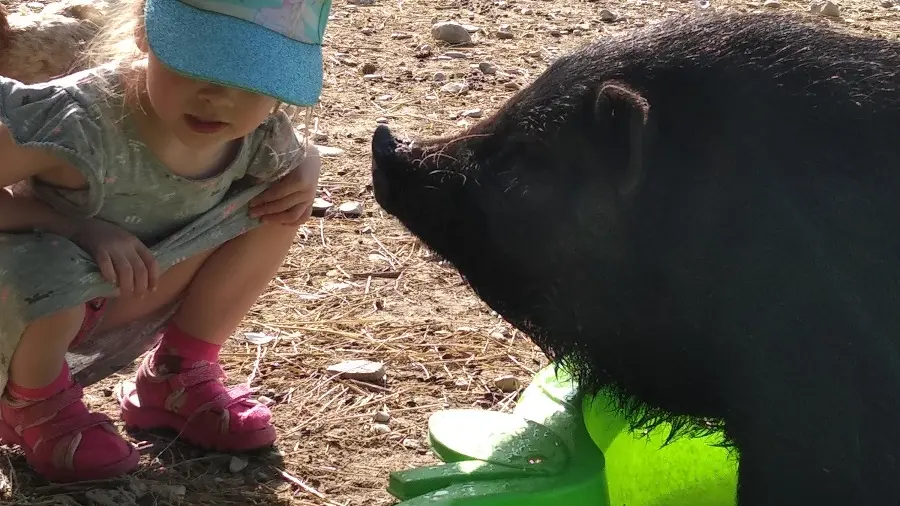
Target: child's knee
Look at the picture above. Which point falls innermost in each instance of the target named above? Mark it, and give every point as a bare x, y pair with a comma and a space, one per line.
275, 235
58, 328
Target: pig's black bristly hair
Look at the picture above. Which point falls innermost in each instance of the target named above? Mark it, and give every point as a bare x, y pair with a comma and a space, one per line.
747, 288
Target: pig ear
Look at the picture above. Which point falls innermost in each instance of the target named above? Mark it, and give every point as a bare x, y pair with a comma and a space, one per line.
623, 115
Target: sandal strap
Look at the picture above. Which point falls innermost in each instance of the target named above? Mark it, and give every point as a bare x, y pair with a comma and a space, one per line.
39, 413
183, 382
207, 371
70, 427
230, 397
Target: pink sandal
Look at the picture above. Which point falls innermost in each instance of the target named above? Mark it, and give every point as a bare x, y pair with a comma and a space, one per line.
72, 444
198, 406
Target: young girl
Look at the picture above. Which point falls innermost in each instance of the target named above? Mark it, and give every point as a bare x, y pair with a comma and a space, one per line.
168, 174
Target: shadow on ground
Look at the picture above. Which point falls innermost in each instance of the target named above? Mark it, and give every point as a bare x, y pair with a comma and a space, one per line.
169, 473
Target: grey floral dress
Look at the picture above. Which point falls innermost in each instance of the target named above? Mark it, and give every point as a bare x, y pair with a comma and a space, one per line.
81, 118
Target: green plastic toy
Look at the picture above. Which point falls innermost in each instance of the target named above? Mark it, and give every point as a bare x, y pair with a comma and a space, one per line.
553, 450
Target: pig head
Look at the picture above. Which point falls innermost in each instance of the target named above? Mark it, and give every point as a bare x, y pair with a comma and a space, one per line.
533, 208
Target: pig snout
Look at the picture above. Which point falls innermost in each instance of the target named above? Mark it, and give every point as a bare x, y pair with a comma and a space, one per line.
384, 149
383, 143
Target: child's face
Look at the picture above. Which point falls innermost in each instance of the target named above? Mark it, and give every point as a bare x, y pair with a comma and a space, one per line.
199, 113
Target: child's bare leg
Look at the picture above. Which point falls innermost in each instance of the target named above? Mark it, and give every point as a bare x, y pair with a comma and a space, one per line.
41, 351
232, 280
171, 285
182, 375
42, 409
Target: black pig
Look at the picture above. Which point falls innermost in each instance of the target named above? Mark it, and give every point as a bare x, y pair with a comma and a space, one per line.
703, 219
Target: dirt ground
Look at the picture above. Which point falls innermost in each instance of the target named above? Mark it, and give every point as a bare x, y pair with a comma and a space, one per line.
363, 288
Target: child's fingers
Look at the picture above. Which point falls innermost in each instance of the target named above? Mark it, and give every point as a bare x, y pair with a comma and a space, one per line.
278, 190
124, 272
152, 267
296, 215
280, 206
139, 270
304, 217
276, 206
106, 266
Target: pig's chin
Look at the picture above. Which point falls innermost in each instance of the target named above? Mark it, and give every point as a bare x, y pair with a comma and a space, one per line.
381, 187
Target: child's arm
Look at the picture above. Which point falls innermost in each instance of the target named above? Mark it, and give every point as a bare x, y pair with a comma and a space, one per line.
25, 213
17, 164
123, 259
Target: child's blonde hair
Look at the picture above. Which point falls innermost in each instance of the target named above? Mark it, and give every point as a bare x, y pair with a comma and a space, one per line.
116, 43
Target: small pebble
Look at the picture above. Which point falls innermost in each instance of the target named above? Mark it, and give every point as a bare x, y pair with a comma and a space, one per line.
373, 77
827, 9
400, 36
499, 336
472, 113
772, 4
350, 209
487, 68
381, 120
266, 401
507, 384
450, 32
106, 497
362, 370
367, 31
456, 54
424, 51
368, 68
329, 151
382, 416
258, 338
504, 32
138, 487
380, 428
512, 85
455, 88
410, 443
169, 492
440, 77
607, 16
237, 464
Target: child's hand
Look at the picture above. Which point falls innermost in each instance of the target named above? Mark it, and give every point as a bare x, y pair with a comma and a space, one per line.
123, 259
289, 201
